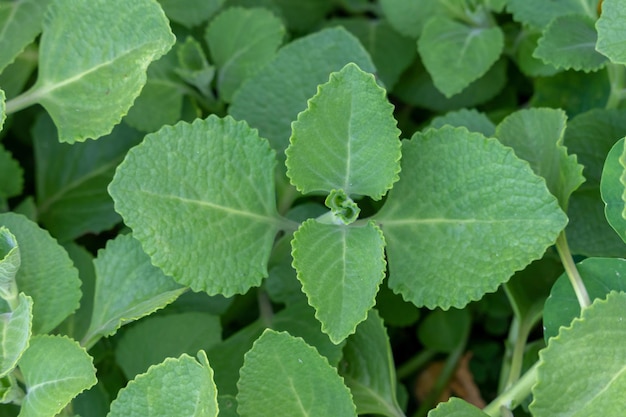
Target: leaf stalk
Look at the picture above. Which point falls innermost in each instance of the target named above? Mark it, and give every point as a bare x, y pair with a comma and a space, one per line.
572, 272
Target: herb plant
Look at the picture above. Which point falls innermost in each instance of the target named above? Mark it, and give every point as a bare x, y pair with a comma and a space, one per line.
275, 208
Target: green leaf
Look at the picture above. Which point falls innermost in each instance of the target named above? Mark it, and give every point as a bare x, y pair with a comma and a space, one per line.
340, 269
227, 405
409, 17
176, 387
283, 376
368, 369
153, 339
194, 67
72, 180
456, 407
524, 55
613, 188
2, 109
347, 138
303, 15
600, 276
12, 175
15, 331
394, 310
581, 372
456, 54
46, 273
15, 76
536, 135
272, 98
468, 195
190, 13
55, 370
10, 262
236, 194
444, 331
99, 76
128, 287
20, 23
539, 13
471, 119
569, 42
611, 32
253, 37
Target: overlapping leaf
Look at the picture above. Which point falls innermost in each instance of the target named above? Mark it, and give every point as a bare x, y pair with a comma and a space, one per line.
10, 261
209, 186
613, 188
449, 219
190, 13
539, 13
611, 31
471, 119
193, 66
408, 17
20, 23
456, 407
15, 331
12, 175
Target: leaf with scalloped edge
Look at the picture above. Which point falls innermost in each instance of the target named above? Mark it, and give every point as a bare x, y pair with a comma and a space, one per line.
611, 31
128, 287
340, 268
175, 387
448, 222
539, 13
282, 376
20, 23
581, 372
346, 139
456, 407
613, 188
215, 176
55, 370
15, 331
471, 119
104, 63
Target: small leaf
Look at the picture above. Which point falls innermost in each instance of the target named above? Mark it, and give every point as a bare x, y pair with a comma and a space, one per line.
11, 173
444, 331
97, 81
253, 36
456, 407
613, 188
194, 67
611, 31
10, 262
530, 66
190, 13
346, 139
20, 23
176, 387
282, 376
128, 287
455, 54
368, 369
340, 269
15, 331
55, 370
539, 13
233, 203
343, 209
569, 42
409, 17
471, 119
581, 372
467, 194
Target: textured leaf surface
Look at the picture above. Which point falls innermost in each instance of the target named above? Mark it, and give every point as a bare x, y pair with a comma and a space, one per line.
538, 13
536, 135
272, 98
193, 66
347, 138
253, 36
10, 262
282, 376
128, 287
46, 273
104, 63
20, 23
55, 370
448, 221
613, 188
569, 42
455, 54
456, 407
581, 372
11, 173
611, 31
368, 369
72, 180
340, 269
215, 176
471, 119
190, 12
15, 331
176, 387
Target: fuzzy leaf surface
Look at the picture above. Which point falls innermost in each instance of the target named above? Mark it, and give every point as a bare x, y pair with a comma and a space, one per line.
20, 23
456, 54
11, 173
55, 370
456, 407
216, 176
175, 387
104, 64
128, 287
282, 376
611, 31
581, 372
15, 331
613, 188
539, 13
468, 194
340, 268
347, 138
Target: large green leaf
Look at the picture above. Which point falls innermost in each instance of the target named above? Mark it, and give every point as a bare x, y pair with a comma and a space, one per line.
103, 65
15, 331
282, 376
538, 13
176, 387
253, 37
72, 180
536, 135
340, 268
581, 372
272, 98
347, 138
456, 407
128, 287
613, 188
46, 273
215, 176
55, 370
368, 369
611, 31
11, 173
20, 23
456, 54
190, 12
449, 219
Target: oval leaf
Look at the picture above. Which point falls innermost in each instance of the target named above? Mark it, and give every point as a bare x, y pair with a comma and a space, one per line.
346, 139
613, 188
15, 331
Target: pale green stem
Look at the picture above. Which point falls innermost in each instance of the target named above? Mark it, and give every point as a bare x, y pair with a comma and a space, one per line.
265, 308
522, 331
572, 272
513, 397
22, 101
617, 75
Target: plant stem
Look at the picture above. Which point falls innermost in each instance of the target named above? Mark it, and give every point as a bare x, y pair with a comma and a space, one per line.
22, 101
265, 308
414, 364
512, 397
572, 272
617, 74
